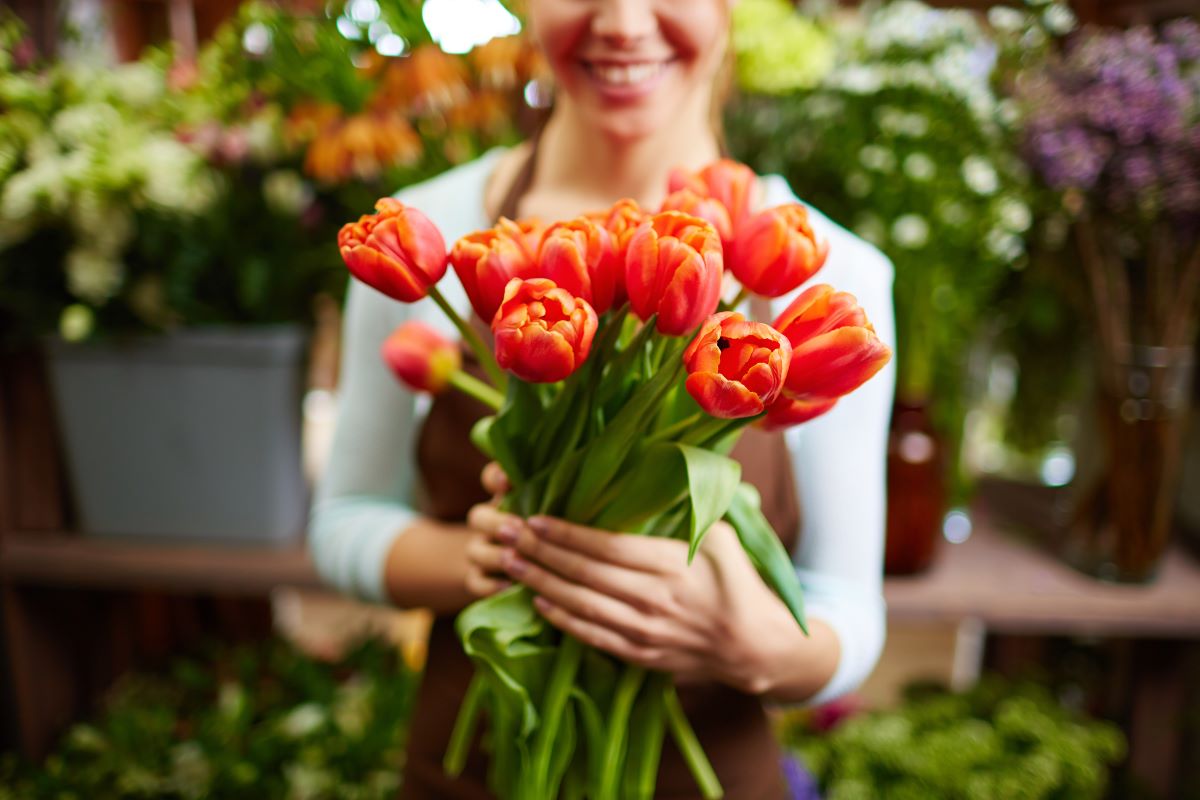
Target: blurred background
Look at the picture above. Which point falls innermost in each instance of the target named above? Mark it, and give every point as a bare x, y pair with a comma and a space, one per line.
172, 177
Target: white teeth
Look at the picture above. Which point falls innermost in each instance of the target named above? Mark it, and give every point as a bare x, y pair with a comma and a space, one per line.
624, 75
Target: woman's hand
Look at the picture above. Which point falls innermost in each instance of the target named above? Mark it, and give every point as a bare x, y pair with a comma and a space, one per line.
485, 552
637, 598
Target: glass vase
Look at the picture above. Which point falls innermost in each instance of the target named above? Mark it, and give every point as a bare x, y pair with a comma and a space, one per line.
1127, 519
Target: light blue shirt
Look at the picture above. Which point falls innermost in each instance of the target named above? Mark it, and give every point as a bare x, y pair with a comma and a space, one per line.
366, 496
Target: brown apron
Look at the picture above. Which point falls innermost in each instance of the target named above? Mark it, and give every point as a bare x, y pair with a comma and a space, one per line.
732, 726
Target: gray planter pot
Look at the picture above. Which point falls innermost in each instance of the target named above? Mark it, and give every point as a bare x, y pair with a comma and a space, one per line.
195, 435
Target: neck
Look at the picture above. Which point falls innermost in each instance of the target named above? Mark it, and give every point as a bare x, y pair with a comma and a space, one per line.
591, 169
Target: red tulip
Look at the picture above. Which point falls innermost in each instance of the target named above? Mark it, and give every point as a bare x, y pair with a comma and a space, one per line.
621, 221
578, 256
776, 250
707, 208
727, 181
421, 357
673, 268
834, 351
485, 261
397, 251
543, 333
736, 367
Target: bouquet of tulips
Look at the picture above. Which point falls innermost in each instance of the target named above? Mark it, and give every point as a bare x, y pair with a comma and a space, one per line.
620, 380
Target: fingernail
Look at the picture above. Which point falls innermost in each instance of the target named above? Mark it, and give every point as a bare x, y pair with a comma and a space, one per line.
539, 524
508, 531
514, 565
541, 603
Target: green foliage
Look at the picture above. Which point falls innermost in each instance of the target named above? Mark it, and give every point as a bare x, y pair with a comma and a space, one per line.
997, 740
259, 721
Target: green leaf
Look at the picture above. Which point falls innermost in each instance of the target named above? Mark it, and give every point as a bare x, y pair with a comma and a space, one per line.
712, 481
656, 481
509, 433
481, 435
765, 550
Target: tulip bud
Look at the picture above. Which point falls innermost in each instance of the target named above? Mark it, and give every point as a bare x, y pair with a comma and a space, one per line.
726, 181
834, 351
673, 268
736, 367
397, 251
706, 208
578, 256
485, 261
543, 333
776, 250
421, 357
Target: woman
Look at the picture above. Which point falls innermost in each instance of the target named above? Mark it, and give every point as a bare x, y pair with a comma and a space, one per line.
634, 97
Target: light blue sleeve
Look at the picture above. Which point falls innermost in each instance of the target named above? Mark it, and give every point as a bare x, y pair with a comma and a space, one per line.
365, 496
839, 461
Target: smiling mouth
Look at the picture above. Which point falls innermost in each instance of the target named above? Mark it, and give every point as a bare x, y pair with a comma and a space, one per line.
625, 74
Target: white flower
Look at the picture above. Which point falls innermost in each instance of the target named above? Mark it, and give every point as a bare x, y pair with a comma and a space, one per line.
910, 231
1059, 19
877, 158
1004, 245
93, 275
1014, 214
823, 106
1005, 19
191, 771
107, 225
302, 720
137, 83
263, 140
919, 166
286, 192
979, 175
858, 184
89, 122
859, 79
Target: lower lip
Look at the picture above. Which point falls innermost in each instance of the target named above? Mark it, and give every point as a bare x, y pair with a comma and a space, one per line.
625, 92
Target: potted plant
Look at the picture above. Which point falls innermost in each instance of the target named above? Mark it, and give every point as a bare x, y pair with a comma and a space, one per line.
169, 222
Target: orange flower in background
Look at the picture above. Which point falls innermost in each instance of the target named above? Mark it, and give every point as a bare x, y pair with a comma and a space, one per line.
421, 357
707, 208
498, 62
727, 181
543, 333
485, 261
673, 268
736, 368
362, 146
776, 250
433, 80
834, 351
397, 251
578, 256
308, 119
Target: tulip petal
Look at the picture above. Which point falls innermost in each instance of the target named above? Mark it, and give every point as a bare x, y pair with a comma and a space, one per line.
721, 397
788, 411
836, 363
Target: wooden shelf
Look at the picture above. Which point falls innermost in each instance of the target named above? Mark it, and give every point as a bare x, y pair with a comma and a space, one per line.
1011, 586
59, 559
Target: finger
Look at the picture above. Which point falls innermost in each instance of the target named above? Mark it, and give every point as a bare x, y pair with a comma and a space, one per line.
486, 555
491, 520
494, 480
643, 553
481, 585
647, 593
593, 606
598, 636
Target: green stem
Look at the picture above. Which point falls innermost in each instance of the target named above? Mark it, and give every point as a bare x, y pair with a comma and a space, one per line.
689, 746
482, 352
464, 727
671, 431
468, 384
737, 301
558, 690
618, 730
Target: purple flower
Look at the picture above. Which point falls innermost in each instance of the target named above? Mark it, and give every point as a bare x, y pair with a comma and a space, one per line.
800, 782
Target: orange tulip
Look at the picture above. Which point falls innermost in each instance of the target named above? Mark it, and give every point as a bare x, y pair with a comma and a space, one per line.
736, 367
776, 250
397, 251
543, 333
707, 208
421, 357
727, 181
834, 351
485, 261
673, 268
578, 256
621, 220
